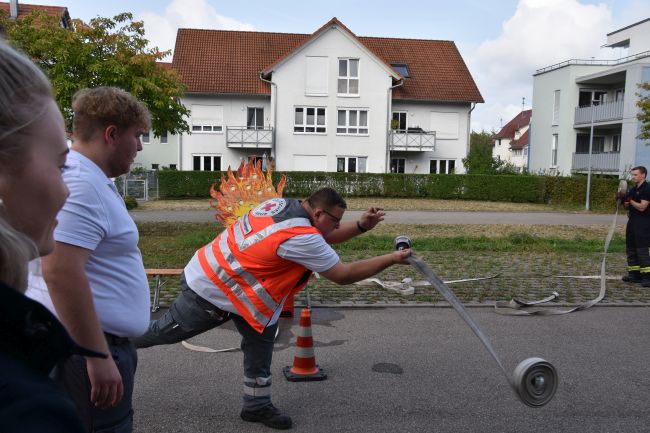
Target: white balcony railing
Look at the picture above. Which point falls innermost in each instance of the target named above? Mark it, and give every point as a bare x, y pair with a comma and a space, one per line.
242, 137
600, 162
421, 141
607, 111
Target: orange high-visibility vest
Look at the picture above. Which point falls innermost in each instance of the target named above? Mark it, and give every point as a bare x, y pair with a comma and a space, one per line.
243, 263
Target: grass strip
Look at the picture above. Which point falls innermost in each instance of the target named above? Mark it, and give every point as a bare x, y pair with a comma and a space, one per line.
172, 244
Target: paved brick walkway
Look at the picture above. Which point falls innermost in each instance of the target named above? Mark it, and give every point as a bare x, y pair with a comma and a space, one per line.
528, 276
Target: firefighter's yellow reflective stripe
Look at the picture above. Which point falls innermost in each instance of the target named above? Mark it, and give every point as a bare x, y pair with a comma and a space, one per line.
633, 268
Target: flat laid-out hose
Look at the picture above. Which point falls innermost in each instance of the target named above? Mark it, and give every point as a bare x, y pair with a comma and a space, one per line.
516, 307
534, 380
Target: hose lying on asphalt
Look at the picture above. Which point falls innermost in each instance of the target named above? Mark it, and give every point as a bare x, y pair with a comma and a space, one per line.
534, 380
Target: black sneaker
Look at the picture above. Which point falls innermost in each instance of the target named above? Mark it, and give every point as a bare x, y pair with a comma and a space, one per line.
269, 415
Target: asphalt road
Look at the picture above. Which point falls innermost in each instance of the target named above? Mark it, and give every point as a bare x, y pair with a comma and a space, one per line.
415, 370
421, 217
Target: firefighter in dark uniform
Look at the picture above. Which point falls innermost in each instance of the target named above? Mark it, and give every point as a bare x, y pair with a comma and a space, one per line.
637, 232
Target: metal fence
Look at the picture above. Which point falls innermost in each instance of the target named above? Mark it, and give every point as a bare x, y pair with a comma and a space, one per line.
139, 184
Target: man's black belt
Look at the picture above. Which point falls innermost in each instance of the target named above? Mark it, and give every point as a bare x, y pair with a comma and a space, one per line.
114, 340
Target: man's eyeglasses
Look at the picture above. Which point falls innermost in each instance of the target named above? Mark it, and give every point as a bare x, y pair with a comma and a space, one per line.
335, 218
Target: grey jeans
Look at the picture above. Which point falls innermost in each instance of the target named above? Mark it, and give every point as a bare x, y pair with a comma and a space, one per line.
190, 315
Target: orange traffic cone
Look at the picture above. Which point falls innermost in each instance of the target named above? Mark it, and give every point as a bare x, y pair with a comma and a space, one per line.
304, 363
287, 308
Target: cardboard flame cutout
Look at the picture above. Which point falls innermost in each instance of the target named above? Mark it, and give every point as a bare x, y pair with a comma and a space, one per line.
239, 194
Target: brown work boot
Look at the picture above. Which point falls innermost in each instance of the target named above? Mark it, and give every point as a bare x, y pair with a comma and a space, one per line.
269, 415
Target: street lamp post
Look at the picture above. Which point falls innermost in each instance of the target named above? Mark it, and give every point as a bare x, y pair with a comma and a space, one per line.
591, 143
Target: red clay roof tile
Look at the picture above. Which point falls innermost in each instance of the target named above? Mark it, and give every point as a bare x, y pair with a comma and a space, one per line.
520, 142
230, 62
26, 9
520, 120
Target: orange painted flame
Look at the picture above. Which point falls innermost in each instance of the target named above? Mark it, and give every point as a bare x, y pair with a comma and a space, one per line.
242, 192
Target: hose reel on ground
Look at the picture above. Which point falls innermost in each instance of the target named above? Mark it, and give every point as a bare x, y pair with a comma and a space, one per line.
534, 380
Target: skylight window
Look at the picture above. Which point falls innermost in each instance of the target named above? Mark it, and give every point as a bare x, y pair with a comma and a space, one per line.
402, 69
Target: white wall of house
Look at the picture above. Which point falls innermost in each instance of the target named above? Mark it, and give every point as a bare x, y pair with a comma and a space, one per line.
298, 88
226, 111
309, 79
501, 149
156, 154
637, 35
520, 158
449, 121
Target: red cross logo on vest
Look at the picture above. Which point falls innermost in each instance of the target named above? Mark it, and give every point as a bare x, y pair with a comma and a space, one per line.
270, 207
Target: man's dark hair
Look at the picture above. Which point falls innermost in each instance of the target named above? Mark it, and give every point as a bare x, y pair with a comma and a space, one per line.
641, 168
326, 198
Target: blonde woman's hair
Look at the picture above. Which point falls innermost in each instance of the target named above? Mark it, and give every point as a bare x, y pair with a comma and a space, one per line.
24, 89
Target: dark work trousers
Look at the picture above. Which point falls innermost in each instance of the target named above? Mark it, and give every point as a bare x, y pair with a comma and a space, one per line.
190, 315
637, 244
72, 375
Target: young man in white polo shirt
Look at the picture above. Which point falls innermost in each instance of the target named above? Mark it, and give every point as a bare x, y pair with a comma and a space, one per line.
95, 275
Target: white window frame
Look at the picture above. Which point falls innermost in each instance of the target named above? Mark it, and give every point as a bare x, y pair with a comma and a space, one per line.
348, 128
347, 77
212, 156
164, 138
256, 117
357, 162
439, 164
318, 129
554, 146
616, 143
403, 165
207, 123
556, 108
399, 115
145, 138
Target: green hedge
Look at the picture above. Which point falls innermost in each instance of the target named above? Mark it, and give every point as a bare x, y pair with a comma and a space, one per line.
509, 188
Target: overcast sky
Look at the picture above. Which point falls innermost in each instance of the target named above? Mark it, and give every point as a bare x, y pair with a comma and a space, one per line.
503, 42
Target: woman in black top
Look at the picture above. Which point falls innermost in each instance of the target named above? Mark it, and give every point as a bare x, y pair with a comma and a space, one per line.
33, 150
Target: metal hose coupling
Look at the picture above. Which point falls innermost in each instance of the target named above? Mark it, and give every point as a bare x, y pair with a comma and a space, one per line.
402, 242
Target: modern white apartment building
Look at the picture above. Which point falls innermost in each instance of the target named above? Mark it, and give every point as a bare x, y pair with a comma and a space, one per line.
571, 97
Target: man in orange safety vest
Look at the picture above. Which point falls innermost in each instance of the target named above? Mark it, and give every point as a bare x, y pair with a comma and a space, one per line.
248, 272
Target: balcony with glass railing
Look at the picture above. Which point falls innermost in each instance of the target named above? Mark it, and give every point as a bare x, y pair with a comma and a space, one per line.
249, 138
412, 140
605, 112
601, 162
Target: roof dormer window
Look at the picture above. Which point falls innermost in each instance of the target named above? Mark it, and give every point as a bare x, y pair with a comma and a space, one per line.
402, 69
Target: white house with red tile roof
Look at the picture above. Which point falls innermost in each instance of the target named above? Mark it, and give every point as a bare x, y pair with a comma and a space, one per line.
328, 101
571, 96
16, 10
510, 144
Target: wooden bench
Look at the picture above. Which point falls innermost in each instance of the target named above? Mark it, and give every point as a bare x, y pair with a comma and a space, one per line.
160, 279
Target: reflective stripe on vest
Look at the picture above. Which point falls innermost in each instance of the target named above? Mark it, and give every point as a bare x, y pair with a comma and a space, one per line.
243, 227
236, 291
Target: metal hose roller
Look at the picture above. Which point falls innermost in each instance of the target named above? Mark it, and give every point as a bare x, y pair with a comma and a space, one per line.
534, 380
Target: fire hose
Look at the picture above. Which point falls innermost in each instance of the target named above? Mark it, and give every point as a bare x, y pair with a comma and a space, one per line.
534, 380
515, 307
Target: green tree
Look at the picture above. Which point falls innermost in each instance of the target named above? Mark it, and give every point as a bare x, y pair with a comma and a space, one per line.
644, 104
479, 159
103, 52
